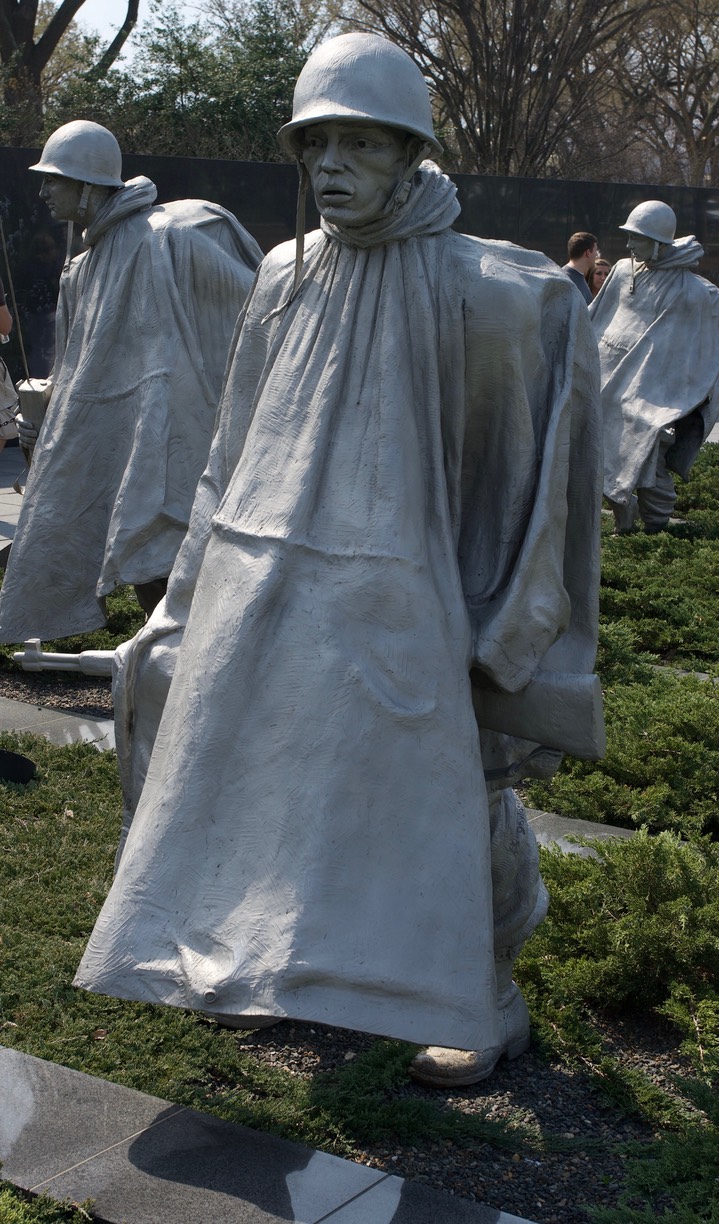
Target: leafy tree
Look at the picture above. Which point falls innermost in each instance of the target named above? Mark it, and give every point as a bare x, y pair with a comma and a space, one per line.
217, 88
29, 39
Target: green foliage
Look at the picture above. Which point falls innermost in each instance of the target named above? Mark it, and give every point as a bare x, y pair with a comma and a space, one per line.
701, 492
197, 89
695, 1012
624, 927
633, 929
19, 1208
675, 1179
661, 767
664, 588
658, 617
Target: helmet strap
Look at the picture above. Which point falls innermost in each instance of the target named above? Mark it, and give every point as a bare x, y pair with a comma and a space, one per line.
301, 224
84, 199
68, 248
400, 195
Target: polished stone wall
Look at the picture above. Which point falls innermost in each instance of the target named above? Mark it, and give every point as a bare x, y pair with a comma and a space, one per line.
537, 213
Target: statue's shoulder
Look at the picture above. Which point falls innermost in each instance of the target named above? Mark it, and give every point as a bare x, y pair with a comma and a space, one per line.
278, 266
186, 214
282, 257
489, 269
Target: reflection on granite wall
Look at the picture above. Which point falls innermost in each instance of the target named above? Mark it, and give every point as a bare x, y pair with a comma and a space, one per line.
537, 213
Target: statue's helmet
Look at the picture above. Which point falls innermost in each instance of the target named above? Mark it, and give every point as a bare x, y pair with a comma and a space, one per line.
362, 77
84, 151
652, 219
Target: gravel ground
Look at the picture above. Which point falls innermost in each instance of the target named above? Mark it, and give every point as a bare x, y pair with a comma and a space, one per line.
548, 1187
88, 695
544, 1186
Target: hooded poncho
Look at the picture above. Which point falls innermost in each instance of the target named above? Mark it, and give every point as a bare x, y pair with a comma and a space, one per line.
144, 324
404, 483
658, 333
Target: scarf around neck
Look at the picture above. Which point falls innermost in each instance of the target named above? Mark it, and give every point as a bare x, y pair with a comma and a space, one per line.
138, 193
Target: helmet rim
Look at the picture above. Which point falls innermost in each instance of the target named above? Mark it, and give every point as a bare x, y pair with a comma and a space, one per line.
636, 224
324, 75
59, 154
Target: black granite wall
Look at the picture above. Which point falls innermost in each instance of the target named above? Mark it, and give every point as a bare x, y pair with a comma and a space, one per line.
537, 213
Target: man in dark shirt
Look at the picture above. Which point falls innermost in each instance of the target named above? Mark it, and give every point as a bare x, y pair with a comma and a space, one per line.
582, 250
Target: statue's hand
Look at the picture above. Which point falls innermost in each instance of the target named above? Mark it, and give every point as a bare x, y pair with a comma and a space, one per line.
27, 432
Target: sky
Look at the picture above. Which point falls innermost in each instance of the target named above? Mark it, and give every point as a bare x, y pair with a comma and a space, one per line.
106, 16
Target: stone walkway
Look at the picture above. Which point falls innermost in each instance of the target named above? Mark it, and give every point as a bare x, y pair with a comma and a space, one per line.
142, 1160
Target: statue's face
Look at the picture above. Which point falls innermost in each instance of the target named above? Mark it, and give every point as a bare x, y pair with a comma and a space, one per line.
354, 168
62, 196
642, 248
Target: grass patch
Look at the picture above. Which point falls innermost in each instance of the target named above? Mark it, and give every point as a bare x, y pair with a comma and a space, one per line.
19, 1208
59, 836
608, 923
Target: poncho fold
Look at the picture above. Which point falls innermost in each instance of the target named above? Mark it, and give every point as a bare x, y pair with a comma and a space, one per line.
403, 484
144, 323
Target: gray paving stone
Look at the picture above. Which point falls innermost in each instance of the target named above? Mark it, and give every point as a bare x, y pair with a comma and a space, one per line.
52, 1118
56, 725
395, 1201
194, 1169
142, 1160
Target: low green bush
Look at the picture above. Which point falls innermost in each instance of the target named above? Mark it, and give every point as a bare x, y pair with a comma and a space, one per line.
628, 925
636, 929
674, 1180
661, 767
19, 1208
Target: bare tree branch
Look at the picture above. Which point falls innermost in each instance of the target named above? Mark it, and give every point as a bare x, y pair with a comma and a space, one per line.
506, 73
107, 59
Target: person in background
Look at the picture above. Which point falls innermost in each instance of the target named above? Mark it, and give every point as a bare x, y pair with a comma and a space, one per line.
5, 316
8, 428
582, 250
597, 275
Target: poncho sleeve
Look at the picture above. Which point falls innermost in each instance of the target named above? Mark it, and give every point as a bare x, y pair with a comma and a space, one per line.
530, 486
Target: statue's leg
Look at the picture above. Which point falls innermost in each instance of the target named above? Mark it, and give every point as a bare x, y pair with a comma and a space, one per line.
657, 503
626, 518
520, 903
149, 594
144, 668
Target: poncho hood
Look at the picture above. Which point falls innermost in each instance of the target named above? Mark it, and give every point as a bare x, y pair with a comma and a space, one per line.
138, 193
684, 253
